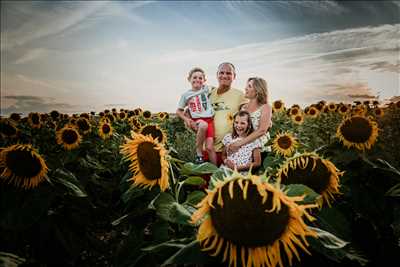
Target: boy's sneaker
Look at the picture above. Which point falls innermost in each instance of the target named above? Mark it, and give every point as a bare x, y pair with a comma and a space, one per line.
198, 160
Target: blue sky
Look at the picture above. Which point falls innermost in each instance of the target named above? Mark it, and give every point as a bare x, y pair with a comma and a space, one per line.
82, 56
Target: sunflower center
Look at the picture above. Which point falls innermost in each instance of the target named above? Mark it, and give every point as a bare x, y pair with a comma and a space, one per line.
317, 179
35, 119
312, 112
257, 226
298, 118
83, 125
153, 131
149, 160
105, 128
294, 111
69, 136
23, 164
284, 142
278, 105
147, 114
356, 130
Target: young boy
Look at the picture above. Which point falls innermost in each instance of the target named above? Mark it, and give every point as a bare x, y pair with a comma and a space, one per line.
201, 113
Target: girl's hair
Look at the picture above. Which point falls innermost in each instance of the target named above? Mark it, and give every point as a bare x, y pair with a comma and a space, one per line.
196, 69
261, 89
250, 128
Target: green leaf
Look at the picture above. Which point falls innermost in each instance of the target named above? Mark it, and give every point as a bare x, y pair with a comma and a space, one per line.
132, 193
394, 191
194, 180
170, 210
195, 197
175, 243
69, 181
195, 169
10, 260
299, 190
189, 254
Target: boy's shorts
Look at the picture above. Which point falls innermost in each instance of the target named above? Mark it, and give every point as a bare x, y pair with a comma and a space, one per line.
210, 127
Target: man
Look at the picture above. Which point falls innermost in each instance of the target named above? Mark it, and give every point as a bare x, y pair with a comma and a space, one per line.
225, 101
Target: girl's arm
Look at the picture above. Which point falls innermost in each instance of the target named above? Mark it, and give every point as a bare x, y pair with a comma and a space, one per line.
265, 123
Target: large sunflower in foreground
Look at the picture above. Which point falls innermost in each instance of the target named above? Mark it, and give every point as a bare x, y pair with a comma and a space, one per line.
321, 175
22, 166
358, 131
249, 222
284, 144
105, 130
68, 137
155, 131
148, 161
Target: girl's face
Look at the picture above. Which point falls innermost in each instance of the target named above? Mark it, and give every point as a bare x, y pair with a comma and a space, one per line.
241, 124
250, 91
197, 80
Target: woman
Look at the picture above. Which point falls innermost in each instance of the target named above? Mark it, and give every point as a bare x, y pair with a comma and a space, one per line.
260, 112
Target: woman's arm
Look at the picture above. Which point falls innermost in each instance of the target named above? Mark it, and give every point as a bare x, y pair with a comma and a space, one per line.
265, 123
256, 161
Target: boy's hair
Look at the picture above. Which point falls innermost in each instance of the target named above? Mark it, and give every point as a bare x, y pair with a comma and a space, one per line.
196, 69
261, 89
250, 128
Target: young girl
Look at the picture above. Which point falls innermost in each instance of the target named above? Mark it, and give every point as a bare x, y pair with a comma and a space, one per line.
247, 156
201, 114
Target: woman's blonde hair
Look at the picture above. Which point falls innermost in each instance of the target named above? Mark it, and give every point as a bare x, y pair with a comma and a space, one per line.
196, 69
261, 89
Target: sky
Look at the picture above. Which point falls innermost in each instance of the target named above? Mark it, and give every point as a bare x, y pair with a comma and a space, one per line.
89, 56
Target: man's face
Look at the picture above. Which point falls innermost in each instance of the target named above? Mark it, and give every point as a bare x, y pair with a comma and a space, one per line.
225, 75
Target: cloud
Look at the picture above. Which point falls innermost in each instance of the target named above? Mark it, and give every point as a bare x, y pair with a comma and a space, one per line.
43, 23
363, 96
30, 55
385, 66
28, 103
313, 7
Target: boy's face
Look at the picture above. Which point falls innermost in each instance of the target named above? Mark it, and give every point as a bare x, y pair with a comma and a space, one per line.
197, 80
241, 125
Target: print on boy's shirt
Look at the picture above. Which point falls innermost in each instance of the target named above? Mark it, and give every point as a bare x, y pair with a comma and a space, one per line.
198, 103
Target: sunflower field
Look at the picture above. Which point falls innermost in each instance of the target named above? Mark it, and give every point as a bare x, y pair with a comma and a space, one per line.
118, 188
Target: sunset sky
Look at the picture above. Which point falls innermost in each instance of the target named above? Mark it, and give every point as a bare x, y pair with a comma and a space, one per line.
83, 56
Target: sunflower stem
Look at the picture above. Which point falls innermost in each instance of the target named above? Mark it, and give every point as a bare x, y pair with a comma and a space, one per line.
173, 181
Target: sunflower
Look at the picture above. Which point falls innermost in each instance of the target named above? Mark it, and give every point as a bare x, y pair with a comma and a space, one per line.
343, 109
162, 115
321, 175
8, 128
135, 123
293, 111
278, 106
378, 112
83, 125
122, 115
284, 144
313, 112
110, 117
155, 131
358, 131
398, 104
229, 118
69, 137
15, 117
105, 130
137, 111
34, 120
85, 115
375, 103
54, 114
148, 161
248, 223
359, 110
146, 114
332, 107
298, 119
22, 166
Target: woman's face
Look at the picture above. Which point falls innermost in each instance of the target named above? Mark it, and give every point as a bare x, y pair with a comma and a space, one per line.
241, 125
250, 91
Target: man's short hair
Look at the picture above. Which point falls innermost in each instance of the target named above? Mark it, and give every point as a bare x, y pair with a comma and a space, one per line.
227, 63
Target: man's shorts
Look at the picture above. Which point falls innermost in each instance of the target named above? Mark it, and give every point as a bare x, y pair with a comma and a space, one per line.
210, 127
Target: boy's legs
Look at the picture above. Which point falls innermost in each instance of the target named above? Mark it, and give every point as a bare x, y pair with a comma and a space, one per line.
210, 150
200, 137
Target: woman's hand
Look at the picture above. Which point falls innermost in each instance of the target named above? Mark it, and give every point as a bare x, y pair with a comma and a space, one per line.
234, 147
229, 164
